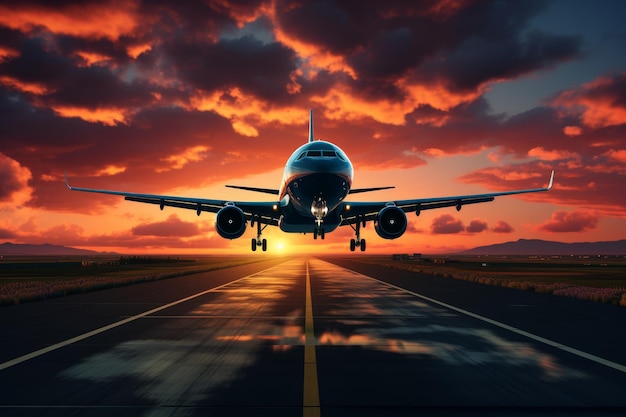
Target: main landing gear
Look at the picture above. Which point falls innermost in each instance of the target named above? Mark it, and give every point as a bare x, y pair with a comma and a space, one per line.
358, 242
258, 242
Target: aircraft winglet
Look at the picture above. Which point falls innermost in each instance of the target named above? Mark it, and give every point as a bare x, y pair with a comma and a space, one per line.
311, 125
67, 182
551, 180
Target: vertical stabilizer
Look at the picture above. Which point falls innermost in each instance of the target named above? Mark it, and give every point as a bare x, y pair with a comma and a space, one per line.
311, 125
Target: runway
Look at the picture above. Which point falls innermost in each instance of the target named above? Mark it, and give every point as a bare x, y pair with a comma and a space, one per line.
311, 337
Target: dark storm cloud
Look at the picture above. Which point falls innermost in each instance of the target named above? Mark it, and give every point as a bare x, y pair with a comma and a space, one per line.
470, 45
10, 38
479, 60
68, 84
246, 62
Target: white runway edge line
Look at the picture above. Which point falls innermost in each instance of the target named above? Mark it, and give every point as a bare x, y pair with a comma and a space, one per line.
103, 329
565, 348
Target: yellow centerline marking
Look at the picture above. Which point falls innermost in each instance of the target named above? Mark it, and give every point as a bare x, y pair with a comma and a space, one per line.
311, 400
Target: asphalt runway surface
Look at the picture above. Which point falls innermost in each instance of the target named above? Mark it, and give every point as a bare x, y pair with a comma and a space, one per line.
310, 337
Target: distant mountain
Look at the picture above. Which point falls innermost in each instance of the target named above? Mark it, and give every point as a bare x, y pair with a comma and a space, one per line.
545, 247
13, 249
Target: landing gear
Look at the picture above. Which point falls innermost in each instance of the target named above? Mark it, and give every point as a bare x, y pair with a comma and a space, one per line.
318, 232
258, 242
358, 242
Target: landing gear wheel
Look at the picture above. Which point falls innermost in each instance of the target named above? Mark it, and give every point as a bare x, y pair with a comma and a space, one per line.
264, 245
352, 245
362, 245
253, 245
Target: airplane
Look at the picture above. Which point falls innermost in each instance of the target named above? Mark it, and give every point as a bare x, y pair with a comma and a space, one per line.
312, 198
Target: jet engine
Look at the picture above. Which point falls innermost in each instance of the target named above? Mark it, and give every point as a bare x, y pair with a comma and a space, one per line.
390, 222
230, 222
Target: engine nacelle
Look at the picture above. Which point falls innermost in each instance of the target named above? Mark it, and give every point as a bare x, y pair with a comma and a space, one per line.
230, 222
390, 222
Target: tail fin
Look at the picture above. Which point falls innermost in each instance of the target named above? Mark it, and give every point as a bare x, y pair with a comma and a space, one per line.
311, 125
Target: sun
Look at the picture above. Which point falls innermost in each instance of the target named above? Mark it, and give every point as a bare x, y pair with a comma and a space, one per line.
280, 246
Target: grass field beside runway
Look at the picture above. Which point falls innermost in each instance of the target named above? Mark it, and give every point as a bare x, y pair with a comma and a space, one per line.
25, 279
601, 279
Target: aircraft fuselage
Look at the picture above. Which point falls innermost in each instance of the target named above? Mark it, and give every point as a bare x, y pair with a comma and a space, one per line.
316, 180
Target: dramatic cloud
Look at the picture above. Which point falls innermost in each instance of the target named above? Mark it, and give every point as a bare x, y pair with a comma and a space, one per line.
14, 179
108, 19
572, 221
599, 103
164, 97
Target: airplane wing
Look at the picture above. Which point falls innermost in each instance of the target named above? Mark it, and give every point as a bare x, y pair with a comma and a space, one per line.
355, 212
265, 212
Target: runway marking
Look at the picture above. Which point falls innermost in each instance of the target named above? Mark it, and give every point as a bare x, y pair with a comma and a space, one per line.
103, 329
311, 399
557, 345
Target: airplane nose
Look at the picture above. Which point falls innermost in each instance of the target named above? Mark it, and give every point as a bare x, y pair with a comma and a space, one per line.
319, 208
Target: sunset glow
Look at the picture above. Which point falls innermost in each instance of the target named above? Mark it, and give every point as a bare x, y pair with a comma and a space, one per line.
436, 98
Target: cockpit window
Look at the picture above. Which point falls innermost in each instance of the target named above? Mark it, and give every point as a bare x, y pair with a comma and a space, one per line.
321, 153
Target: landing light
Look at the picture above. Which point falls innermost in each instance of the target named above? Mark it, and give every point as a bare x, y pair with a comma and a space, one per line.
275, 207
347, 207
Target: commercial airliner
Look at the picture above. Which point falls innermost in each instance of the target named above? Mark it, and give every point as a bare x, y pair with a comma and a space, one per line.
311, 199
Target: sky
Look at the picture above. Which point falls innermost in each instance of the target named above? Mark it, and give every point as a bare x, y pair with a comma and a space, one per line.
435, 97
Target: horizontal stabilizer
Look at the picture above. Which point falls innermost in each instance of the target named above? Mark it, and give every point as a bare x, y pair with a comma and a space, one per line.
255, 189
367, 190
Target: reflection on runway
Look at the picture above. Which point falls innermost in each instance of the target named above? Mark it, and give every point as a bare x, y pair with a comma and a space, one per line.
363, 312
245, 348
210, 344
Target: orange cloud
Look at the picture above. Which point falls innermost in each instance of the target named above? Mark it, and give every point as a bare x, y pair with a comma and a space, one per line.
178, 161
97, 20
7, 53
619, 155
14, 179
599, 102
109, 117
135, 50
552, 155
572, 130
244, 110
92, 58
24, 86
573, 221
315, 58
110, 170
